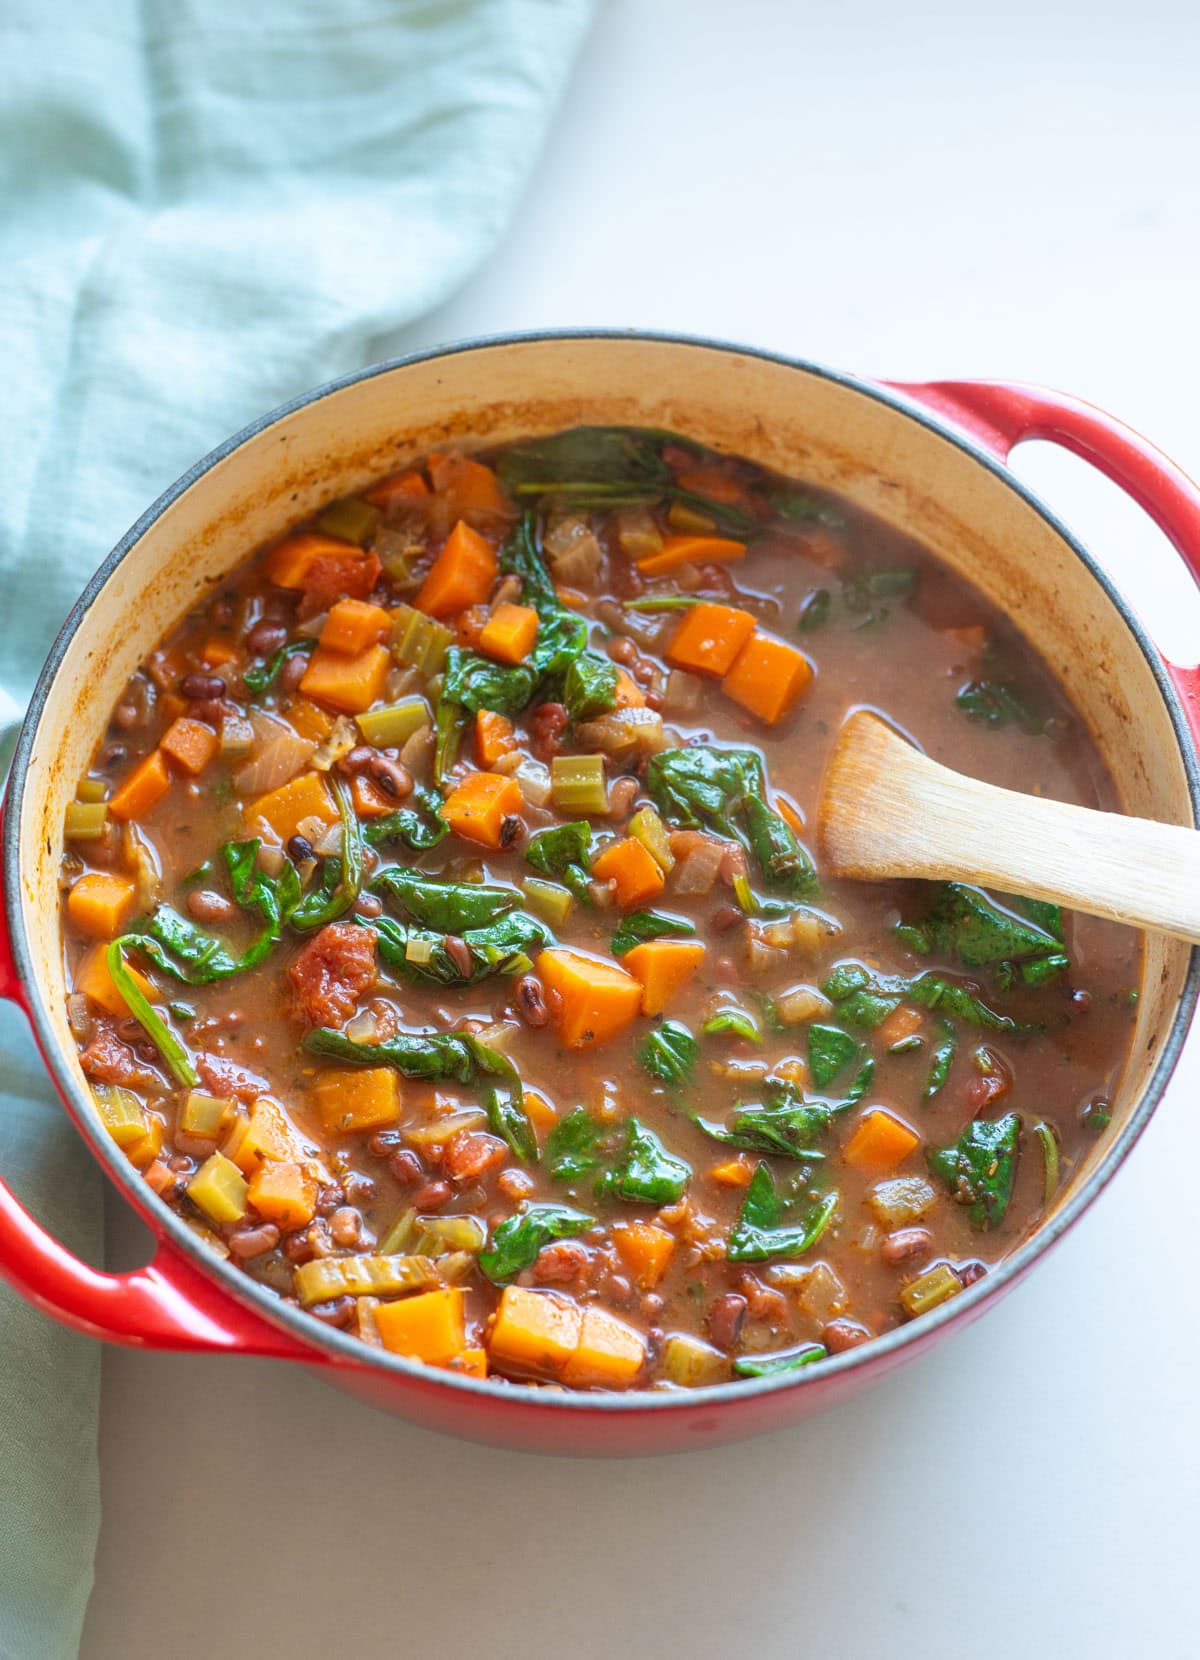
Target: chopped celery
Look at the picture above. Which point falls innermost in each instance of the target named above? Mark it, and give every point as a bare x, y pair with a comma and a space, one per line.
324, 1278
392, 726
547, 900
902, 1200
219, 1189
400, 1235
91, 789
419, 948
652, 833
932, 1287
85, 821
418, 642
121, 1113
351, 520
691, 1363
205, 1115
577, 784
402, 555
439, 1234
433, 1135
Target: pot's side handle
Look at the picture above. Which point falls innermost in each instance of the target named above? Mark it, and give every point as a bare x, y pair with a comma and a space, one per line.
168, 1304
1002, 414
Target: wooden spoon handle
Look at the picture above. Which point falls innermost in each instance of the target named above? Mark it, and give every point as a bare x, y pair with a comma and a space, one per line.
888, 811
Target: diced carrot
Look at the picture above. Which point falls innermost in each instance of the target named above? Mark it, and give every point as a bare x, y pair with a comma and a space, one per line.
541, 1113
647, 1251
570, 597
143, 789
479, 807
369, 800
266, 1135
351, 684
97, 984
469, 625
663, 967
461, 575
493, 737
99, 903
217, 652
364, 1098
593, 998
284, 1193
691, 550
903, 1021
283, 810
629, 695
880, 1141
352, 625
534, 1332
158, 1176
290, 563
709, 638
609, 1354
472, 490
735, 1172
429, 1327
398, 490
309, 719
789, 812
190, 744
711, 483
509, 633
767, 677
146, 1149
634, 870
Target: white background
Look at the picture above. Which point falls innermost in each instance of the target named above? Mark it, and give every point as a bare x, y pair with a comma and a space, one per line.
910, 190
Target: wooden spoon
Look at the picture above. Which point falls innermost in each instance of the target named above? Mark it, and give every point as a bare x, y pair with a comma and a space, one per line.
887, 810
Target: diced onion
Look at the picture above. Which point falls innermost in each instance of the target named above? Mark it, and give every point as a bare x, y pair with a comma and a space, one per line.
277, 755
800, 1003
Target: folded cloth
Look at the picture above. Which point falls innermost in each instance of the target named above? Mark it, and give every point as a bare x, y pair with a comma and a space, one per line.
209, 206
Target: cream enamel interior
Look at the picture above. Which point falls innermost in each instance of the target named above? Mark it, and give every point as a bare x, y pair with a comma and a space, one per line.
787, 417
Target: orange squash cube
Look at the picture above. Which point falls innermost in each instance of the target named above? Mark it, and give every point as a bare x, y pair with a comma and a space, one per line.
266, 1135
709, 638
352, 626
663, 967
595, 998
509, 633
289, 563
97, 984
284, 1193
633, 869
534, 1333
143, 789
767, 677
880, 1142
362, 1098
609, 1354
691, 550
100, 902
189, 744
429, 1327
646, 1250
461, 575
478, 807
349, 684
282, 811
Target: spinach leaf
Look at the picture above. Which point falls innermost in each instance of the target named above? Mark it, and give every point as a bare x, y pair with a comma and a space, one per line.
273, 897
341, 878
450, 725
783, 1360
564, 853
590, 687
862, 594
188, 953
829, 1050
785, 1125
865, 1000
861, 1082
591, 461
797, 507
571, 1146
669, 1052
979, 1168
735, 1021
262, 675
966, 922
436, 1058
934, 992
473, 682
815, 610
1000, 703
419, 828
448, 907
639, 926
173, 1052
502, 948
943, 1058
702, 787
561, 634
517, 1241
758, 1235
648, 1174
508, 1119
1045, 913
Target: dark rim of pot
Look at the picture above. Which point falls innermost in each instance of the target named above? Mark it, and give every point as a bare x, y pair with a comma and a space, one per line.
339, 1345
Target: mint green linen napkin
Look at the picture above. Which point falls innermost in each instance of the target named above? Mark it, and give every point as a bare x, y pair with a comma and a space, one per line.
208, 207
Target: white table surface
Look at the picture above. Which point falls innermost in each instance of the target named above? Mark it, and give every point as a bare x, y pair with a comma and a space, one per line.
921, 190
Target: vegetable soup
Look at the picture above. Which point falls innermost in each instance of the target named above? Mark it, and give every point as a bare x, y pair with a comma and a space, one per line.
446, 948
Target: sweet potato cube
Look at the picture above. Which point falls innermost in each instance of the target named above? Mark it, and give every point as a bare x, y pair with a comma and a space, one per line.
494, 737
663, 967
428, 1327
609, 1354
349, 684
509, 633
349, 1100
282, 811
96, 983
646, 1250
398, 490
709, 638
534, 1333
594, 998
143, 789
633, 869
461, 575
100, 902
880, 1141
289, 563
767, 677
284, 1193
189, 744
480, 805
471, 488
629, 695
352, 626
267, 1134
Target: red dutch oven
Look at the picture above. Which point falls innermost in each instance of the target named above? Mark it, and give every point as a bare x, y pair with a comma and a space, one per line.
929, 459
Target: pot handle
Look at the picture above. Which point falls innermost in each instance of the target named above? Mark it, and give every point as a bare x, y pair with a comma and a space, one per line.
168, 1304
999, 415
